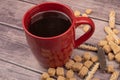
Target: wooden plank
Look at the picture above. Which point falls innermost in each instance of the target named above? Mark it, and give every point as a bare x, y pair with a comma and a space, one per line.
14, 48
12, 72
101, 8
13, 45
12, 11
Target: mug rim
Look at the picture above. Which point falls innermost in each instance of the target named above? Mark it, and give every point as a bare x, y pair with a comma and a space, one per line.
53, 37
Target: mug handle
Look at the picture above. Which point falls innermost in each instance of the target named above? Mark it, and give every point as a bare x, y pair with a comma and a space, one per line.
88, 34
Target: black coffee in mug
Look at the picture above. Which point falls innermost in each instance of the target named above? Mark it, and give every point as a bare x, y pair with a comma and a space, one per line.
49, 23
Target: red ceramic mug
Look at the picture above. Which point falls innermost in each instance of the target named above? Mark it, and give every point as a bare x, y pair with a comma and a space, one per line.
55, 51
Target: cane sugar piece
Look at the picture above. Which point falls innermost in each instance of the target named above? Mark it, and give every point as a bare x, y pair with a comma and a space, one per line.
86, 28
77, 13
77, 58
107, 48
51, 71
102, 43
44, 76
77, 66
110, 69
88, 11
88, 63
60, 71
83, 72
111, 56
69, 64
50, 79
84, 15
86, 56
61, 78
94, 58
69, 74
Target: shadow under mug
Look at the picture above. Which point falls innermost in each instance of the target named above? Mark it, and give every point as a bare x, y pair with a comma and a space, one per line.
55, 51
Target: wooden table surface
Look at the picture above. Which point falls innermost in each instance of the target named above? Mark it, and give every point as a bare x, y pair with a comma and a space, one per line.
16, 59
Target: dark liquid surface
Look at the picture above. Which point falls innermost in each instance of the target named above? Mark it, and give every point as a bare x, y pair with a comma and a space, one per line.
48, 24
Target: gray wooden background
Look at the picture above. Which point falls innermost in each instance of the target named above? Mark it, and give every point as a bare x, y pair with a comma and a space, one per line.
17, 61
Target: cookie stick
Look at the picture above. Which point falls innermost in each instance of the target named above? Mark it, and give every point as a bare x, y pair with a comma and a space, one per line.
92, 72
115, 75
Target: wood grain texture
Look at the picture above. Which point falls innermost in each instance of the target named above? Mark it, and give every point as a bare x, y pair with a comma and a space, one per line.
12, 11
12, 72
13, 45
14, 48
101, 8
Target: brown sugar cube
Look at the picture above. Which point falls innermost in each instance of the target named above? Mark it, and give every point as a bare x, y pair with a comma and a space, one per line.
117, 57
116, 31
88, 11
77, 13
86, 28
95, 79
83, 72
69, 74
44, 76
110, 69
86, 56
102, 43
61, 78
107, 48
94, 58
50, 79
72, 79
77, 58
88, 64
69, 64
60, 71
77, 66
51, 71
110, 56
84, 15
